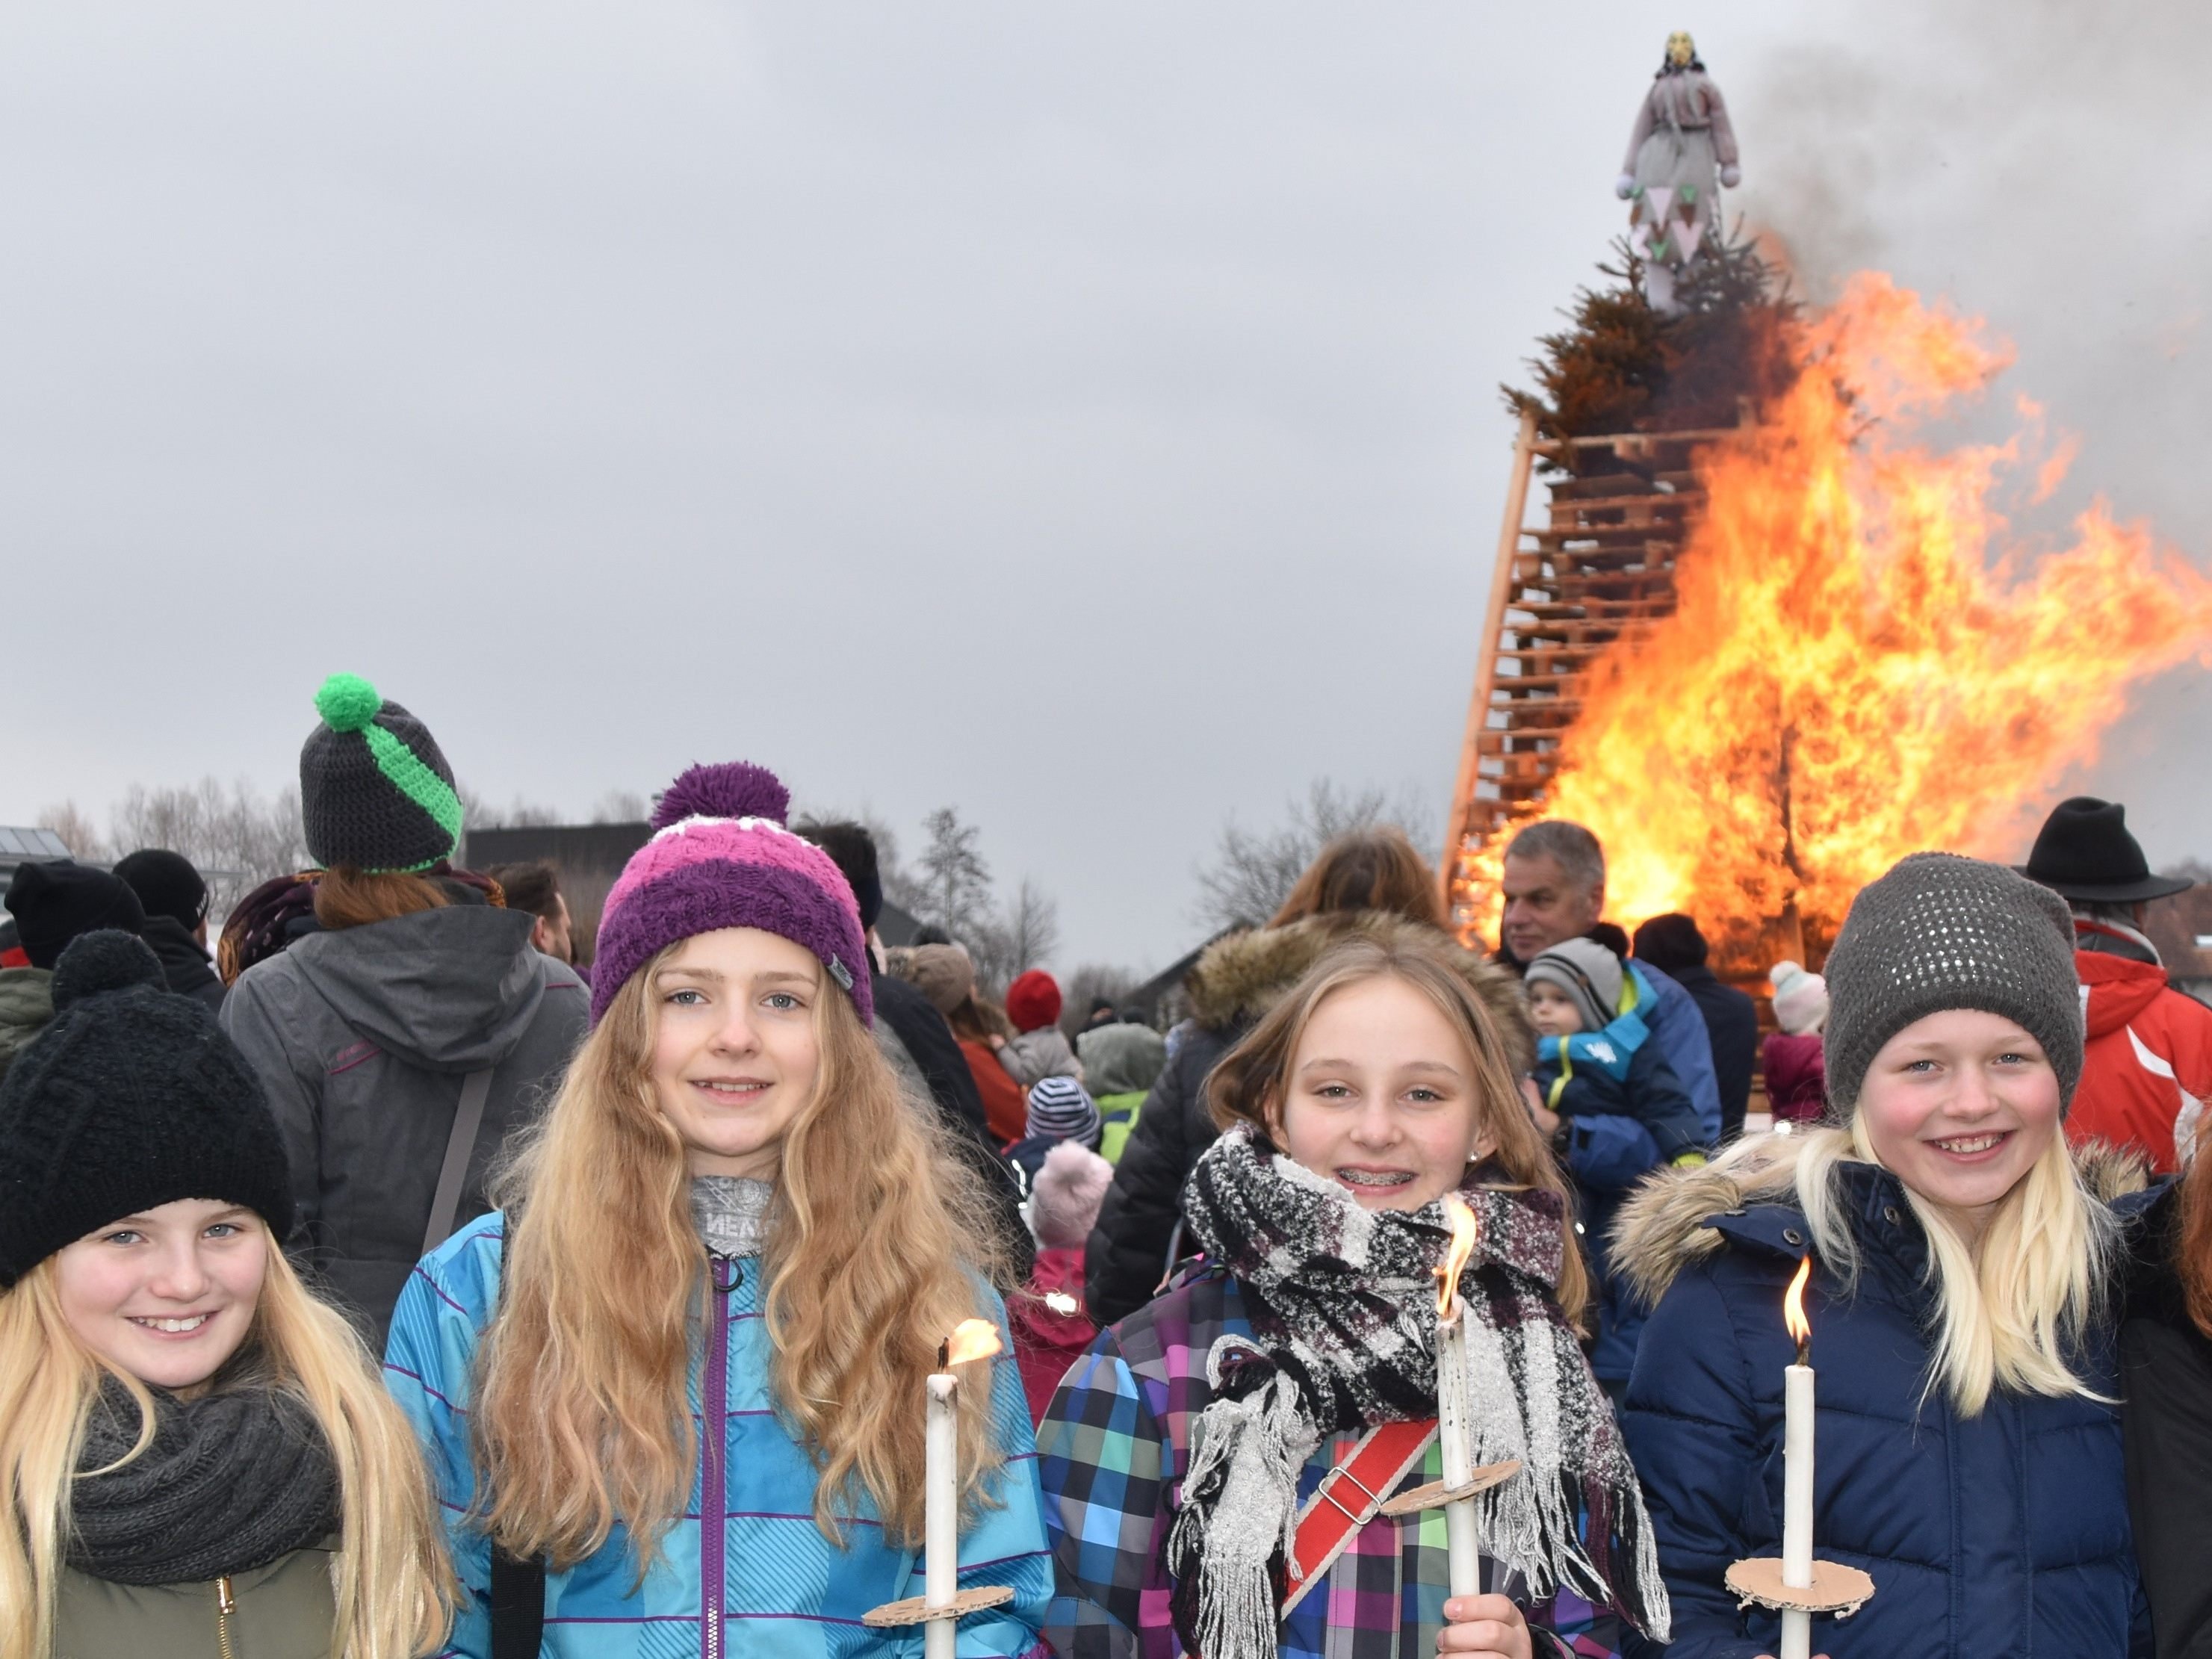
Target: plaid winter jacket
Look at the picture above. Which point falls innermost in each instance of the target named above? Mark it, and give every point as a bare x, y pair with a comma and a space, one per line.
1113, 1450
745, 1572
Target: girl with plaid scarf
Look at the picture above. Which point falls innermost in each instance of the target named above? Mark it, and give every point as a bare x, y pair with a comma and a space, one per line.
1182, 1449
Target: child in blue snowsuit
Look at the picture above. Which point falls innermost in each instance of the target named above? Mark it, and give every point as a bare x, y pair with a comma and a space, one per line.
1621, 1113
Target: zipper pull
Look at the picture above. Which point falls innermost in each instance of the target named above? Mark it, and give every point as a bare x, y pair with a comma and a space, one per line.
728, 1272
225, 1602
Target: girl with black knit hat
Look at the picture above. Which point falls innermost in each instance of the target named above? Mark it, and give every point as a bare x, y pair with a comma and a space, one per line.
679, 1378
1967, 1446
202, 1460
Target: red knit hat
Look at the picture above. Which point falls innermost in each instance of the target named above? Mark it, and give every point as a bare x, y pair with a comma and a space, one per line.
1033, 1000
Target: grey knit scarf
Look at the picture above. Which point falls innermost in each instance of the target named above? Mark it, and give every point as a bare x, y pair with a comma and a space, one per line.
1344, 1308
231, 1481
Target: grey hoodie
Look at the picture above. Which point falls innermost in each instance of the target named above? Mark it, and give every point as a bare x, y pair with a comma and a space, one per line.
363, 1038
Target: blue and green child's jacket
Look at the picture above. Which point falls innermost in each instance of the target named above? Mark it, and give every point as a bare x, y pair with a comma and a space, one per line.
745, 1571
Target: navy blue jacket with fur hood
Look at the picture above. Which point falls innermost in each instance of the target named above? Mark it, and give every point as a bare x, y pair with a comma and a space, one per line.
2000, 1537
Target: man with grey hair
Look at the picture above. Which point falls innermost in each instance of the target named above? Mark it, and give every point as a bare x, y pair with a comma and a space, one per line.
1553, 890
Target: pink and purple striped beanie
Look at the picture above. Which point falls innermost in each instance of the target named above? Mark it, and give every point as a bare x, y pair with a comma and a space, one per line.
720, 857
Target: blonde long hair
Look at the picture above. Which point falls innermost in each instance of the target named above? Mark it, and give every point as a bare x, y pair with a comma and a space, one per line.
394, 1586
1248, 1085
877, 1246
2007, 1308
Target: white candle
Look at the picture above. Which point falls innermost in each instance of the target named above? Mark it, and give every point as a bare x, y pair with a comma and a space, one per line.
941, 1526
1797, 1470
1464, 1557
1797, 1506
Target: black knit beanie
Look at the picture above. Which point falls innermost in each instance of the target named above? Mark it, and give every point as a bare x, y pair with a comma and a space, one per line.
1941, 932
55, 900
375, 789
131, 1098
166, 885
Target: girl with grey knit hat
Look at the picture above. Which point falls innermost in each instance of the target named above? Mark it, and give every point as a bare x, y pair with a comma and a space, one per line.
1967, 1445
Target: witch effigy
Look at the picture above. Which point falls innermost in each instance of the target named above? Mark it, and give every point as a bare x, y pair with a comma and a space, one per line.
1680, 153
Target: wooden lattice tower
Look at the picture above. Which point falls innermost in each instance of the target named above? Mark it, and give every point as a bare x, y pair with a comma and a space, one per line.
1598, 571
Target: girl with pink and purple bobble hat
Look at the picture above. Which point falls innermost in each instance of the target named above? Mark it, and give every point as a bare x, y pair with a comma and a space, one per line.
730, 1216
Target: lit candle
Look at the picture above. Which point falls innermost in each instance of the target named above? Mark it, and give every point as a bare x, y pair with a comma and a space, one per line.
1452, 1413
974, 1338
1797, 1470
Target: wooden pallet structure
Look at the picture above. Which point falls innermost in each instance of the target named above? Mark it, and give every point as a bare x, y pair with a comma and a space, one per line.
1598, 572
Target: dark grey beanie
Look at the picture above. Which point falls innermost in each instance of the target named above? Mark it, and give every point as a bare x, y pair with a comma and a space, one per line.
1941, 931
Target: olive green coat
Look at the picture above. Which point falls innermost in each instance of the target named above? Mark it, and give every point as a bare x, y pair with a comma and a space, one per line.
282, 1610
26, 1003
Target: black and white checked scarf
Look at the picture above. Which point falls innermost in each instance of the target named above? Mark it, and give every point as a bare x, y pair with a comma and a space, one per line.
1344, 1306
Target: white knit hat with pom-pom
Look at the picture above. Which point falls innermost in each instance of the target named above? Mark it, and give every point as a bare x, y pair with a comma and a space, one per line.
1063, 1202
1801, 1000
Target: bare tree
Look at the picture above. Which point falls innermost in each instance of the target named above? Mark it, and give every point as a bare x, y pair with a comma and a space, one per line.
1252, 872
235, 836
76, 832
1023, 934
951, 883
478, 813
622, 806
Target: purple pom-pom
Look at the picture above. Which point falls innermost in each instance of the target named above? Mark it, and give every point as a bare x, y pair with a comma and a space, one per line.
734, 789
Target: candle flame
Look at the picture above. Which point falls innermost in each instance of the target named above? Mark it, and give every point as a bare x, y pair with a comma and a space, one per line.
1465, 1231
972, 1338
1793, 1308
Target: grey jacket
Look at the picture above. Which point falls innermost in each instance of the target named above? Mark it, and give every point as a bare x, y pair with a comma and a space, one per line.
363, 1038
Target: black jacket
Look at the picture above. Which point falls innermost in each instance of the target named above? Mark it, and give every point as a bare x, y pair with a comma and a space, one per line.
186, 965
1732, 1023
1237, 980
937, 1054
2166, 1382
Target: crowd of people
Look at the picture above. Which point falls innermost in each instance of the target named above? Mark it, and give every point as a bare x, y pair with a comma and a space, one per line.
389, 1281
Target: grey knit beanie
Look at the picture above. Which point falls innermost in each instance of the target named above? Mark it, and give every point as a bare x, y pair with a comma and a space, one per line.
1941, 931
1589, 974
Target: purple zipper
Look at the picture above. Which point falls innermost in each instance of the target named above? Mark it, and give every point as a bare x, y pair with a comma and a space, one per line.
713, 1431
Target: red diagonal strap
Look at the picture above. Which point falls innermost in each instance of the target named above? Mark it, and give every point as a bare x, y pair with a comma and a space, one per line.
1349, 1496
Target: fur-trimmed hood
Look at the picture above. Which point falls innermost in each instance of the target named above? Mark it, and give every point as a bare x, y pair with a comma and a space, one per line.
1662, 1230
1240, 978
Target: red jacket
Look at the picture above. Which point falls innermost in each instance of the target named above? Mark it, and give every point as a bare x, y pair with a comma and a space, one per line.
2147, 1070
1796, 1076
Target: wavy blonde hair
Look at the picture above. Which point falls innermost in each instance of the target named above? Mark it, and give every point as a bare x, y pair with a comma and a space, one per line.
2008, 1307
877, 1246
393, 1585
1248, 1086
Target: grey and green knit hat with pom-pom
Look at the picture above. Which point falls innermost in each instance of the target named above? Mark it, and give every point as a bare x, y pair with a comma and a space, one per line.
374, 788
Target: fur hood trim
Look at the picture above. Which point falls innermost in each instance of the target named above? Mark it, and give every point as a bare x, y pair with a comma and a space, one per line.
1662, 1226
1240, 978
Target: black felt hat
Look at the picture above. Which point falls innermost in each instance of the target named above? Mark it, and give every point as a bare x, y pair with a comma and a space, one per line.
130, 1098
2084, 852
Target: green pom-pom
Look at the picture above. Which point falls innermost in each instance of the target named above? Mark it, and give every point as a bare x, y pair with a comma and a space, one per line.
347, 702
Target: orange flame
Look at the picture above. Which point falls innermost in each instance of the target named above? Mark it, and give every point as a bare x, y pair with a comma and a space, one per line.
1465, 1232
971, 1338
1863, 662
1793, 1308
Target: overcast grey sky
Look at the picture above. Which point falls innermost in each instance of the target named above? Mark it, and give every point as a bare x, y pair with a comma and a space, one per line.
1086, 415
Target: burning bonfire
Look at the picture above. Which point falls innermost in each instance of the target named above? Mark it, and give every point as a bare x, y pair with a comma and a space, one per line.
1863, 660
